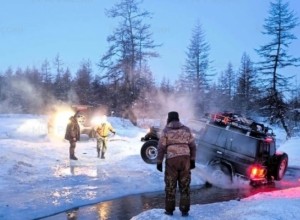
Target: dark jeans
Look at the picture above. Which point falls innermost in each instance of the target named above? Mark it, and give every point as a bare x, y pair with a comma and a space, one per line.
177, 171
72, 148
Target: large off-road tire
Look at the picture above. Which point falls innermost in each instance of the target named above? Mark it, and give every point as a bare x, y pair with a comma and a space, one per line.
220, 175
149, 151
281, 167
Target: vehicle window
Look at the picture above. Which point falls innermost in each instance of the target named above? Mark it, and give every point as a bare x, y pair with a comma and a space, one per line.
223, 138
232, 141
210, 134
264, 148
272, 148
242, 144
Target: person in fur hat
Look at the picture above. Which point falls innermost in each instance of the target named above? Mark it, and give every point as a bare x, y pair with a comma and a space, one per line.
178, 144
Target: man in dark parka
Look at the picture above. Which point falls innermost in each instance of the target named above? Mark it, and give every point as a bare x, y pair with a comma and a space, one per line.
178, 144
72, 135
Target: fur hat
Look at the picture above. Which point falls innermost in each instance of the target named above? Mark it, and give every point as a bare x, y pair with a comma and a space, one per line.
172, 116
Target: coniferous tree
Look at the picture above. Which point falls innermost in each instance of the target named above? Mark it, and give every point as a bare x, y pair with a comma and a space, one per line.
58, 65
59, 92
293, 115
11, 102
47, 76
67, 87
144, 83
82, 83
131, 45
217, 100
99, 92
47, 87
58, 87
247, 91
197, 61
226, 87
15, 98
145, 103
31, 84
195, 70
34, 77
279, 25
183, 84
166, 86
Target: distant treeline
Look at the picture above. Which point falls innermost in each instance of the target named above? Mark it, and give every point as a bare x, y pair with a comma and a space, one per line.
124, 82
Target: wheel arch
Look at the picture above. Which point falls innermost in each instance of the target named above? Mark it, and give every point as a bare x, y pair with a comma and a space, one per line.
224, 163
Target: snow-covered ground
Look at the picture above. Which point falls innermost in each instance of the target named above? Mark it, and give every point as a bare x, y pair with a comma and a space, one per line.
37, 179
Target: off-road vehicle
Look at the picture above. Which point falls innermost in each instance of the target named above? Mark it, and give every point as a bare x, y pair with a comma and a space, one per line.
232, 145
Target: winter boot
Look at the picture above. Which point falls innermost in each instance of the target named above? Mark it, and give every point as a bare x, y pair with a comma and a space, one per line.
72, 154
168, 213
185, 214
102, 156
73, 157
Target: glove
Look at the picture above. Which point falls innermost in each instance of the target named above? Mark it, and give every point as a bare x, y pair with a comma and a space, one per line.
159, 167
114, 133
192, 164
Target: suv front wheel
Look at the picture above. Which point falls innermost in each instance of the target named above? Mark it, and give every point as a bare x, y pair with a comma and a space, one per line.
149, 151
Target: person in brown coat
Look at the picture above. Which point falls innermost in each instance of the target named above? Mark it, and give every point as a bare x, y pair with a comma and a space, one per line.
72, 135
178, 144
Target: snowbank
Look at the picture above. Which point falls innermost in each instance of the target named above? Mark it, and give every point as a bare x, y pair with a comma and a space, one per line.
37, 178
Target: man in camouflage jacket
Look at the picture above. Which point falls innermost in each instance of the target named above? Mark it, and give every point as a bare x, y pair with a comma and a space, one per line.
178, 144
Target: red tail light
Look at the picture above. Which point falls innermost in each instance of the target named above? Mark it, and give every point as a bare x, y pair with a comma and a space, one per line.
257, 172
268, 139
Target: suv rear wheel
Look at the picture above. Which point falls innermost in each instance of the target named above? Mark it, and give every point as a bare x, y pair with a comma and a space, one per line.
221, 175
281, 167
149, 151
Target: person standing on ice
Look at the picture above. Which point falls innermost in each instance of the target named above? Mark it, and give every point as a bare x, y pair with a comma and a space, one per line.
178, 144
102, 132
72, 135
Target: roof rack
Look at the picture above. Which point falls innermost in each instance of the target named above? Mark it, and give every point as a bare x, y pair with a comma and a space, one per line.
239, 122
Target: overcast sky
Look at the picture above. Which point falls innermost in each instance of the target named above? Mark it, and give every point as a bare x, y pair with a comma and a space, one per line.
34, 30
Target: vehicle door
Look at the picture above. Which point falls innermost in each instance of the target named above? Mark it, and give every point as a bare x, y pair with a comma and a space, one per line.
240, 151
210, 144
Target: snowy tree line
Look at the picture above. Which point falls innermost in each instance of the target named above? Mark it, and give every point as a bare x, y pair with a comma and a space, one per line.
124, 83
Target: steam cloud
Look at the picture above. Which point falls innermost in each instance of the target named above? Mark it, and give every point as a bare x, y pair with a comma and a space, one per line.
164, 103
